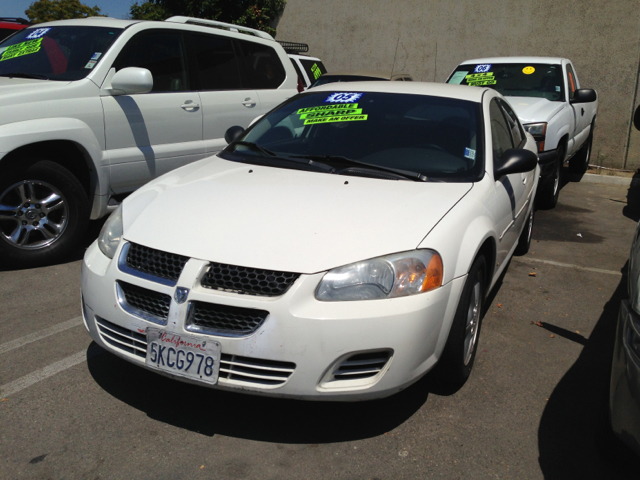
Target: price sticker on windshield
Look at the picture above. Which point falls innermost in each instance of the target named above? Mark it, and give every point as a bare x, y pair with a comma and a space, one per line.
20, 49
37, 33
343, 97
482, 68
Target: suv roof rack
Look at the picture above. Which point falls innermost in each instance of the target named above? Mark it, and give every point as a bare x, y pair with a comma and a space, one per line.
224, 26
15, 20
293, 47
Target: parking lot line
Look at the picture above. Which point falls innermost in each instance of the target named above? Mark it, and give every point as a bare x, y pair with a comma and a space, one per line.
46, 372
568, 265
35, 336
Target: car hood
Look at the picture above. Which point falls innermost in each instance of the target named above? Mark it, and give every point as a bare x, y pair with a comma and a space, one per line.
280, 219
532, 110
20, 87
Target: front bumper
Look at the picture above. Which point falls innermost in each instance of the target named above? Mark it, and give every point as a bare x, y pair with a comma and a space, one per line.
547, 161
302, 336
624, 395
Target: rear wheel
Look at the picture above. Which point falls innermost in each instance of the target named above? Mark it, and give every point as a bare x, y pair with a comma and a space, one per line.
459, 353
44, 212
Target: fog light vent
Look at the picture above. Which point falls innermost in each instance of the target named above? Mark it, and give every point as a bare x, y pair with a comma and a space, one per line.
362, 365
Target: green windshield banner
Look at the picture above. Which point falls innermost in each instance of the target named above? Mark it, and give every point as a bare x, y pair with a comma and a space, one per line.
343, 112
20, 49
479, 79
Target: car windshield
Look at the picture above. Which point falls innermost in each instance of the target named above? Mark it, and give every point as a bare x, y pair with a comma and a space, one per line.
439, 138
514, 79
344, 78
55, 53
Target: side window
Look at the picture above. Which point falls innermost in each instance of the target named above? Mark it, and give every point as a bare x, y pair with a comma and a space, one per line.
216, 63
408, 79
264, 69
500, 137
571, 82
313, 69
162, 53
514, 125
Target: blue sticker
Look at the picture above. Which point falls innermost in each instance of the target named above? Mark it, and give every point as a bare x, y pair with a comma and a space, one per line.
96, 56
37, 33
470, 153
482, 68
343, 97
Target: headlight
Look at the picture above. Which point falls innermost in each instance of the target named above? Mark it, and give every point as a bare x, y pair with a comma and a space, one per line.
111, 233
390, 276
536, 129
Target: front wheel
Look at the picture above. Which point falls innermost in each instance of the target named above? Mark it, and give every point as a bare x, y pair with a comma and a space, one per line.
524, 242
549, 187
459, 353
580, 161
44, 212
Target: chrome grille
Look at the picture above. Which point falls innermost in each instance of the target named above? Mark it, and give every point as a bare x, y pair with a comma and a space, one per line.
259, 372
144, 303
155, 262
362, 365
212, 318
121, 338
246, 280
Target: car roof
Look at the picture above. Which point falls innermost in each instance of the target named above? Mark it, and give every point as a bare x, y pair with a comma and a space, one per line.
364, 73
447, 90
549, 60
93, 21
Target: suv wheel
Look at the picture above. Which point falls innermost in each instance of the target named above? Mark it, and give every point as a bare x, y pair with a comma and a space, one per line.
44, 212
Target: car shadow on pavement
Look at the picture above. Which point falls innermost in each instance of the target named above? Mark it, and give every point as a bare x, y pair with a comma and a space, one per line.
574, 436
632, 209
210, 412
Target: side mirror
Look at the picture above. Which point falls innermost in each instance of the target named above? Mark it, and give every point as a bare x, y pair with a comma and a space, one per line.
232, 133
584, 95
636, 119
131, 80
515, 160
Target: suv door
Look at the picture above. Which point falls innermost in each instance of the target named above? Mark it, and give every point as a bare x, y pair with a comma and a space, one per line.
152, 133
582, 121
226, 97
509, 188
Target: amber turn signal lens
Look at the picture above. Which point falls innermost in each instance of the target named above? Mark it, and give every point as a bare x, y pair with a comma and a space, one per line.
433, 278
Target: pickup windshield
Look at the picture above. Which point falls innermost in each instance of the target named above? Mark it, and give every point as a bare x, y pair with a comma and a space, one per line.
514, 79
369, 134
55, 53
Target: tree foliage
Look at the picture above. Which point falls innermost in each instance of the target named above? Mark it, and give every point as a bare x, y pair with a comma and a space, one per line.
49, 10
257, 14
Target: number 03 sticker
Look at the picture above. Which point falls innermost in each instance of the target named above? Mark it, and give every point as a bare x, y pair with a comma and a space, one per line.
343, 97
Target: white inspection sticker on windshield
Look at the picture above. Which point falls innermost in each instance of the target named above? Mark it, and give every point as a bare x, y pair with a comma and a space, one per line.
457, 77
470, 153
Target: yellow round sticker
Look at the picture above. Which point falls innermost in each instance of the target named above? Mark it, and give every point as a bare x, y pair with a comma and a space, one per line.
528, 70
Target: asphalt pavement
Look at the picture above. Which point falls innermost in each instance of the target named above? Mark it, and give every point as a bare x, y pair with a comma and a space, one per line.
534, 406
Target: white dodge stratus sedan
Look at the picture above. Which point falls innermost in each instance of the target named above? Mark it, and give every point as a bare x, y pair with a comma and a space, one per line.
338, 249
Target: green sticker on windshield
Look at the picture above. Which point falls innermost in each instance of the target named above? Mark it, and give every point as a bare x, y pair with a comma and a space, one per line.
20, 49
479, 79
342, 112
316, 71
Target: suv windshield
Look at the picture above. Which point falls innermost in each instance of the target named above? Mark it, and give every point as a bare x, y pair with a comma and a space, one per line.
344, 78
432, 136
514, 79
55, 53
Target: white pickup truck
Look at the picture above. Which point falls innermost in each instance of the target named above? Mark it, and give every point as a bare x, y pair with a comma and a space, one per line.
546, 95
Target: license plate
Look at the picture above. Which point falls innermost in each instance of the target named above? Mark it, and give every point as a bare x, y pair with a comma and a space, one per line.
184, 356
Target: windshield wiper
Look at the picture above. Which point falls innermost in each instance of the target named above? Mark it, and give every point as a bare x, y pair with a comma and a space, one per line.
269, 154
24, 75
415, 176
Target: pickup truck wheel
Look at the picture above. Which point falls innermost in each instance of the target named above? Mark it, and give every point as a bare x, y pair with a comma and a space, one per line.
459, 352
549, 187
525, 237
580, 161
44, 212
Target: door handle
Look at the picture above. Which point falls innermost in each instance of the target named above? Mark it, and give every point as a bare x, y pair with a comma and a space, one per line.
248, 102
189, 105
582, 111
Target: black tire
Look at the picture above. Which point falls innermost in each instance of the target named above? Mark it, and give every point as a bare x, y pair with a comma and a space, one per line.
459, 352
580, 161
525, 237
45, 214
549, 187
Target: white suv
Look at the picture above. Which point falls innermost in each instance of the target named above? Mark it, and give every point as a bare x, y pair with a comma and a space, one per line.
94, 108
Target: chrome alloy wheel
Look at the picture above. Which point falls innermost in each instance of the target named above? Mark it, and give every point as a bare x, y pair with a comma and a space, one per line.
33, 214
473, 322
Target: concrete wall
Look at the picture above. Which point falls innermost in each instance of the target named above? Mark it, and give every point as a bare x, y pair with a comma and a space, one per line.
428, 38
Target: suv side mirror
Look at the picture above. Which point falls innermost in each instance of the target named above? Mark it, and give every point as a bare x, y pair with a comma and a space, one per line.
232, 133
636, 119
515, 160
584, 95
131, 80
